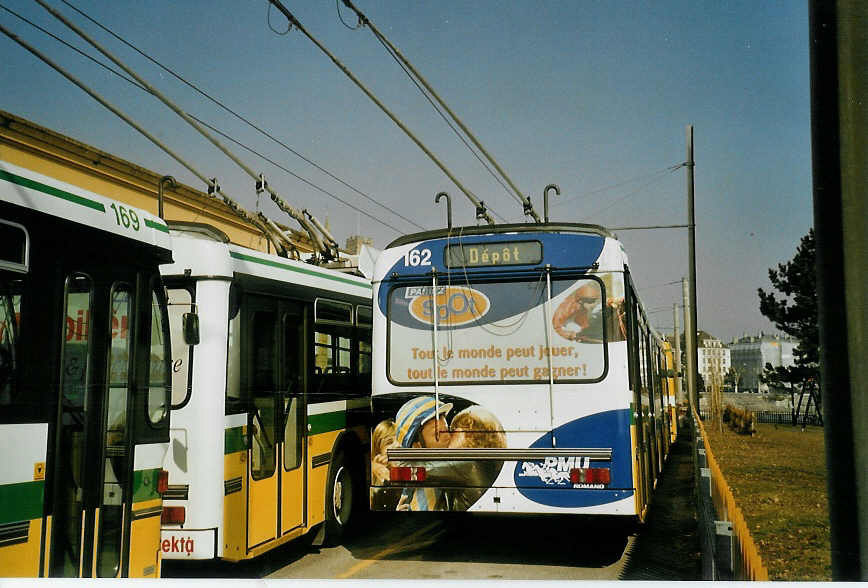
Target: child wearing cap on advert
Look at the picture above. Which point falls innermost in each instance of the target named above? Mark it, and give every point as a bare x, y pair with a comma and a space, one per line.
416, 426
382, 438
476, 427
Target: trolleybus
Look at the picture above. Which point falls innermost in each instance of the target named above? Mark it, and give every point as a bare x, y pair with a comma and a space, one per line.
271, 398
84, 350
515, 371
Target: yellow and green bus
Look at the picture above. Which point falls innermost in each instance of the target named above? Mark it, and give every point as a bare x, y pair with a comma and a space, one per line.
270, 399
84, 374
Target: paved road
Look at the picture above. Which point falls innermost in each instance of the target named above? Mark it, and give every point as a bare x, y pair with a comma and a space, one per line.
422, 546
465, 546
472, 547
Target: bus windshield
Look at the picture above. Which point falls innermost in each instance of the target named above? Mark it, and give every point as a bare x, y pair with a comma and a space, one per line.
500, 331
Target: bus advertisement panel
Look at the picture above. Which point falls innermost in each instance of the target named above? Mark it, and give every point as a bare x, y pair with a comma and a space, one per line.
503, 388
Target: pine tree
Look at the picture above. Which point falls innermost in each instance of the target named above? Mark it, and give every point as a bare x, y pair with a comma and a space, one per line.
793, 310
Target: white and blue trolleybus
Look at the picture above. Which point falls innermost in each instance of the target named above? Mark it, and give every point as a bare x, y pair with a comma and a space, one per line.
515, 371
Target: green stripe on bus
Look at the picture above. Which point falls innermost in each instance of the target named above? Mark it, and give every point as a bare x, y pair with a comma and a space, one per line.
156, 225
300, 270
234, 440
21, 502
329, 421
145, 485
632, 413
28, 183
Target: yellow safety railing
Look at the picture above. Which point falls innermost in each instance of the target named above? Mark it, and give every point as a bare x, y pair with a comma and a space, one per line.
746, 561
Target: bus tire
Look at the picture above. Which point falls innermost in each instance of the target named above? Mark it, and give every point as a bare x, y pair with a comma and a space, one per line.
340, 499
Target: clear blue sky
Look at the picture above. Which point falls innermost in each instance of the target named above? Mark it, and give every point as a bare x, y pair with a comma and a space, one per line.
586, 94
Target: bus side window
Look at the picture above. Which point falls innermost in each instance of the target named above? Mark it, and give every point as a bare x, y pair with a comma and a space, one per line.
261, 380
234, 394
363, 381
158, 372
10, 328
116, 431
180, 304
332, 360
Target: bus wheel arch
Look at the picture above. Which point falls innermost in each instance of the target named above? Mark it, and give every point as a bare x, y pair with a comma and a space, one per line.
344, 492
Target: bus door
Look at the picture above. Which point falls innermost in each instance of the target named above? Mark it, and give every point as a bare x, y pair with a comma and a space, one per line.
654, 425
274, 361
292, 385
645, 410
260, 366
635, 351
92, 466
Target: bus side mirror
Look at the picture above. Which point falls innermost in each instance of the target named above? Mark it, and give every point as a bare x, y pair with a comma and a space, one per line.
190, 322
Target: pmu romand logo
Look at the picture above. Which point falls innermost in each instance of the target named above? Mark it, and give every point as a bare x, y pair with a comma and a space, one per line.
456, 305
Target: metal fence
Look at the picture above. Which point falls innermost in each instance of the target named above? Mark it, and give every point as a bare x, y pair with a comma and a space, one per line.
728, 550
778, 417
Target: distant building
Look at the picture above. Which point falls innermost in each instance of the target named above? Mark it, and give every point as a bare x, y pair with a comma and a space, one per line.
750, 354
355, 242
713, 358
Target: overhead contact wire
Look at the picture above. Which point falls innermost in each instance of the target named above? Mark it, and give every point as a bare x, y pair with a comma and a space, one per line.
328, 251
525, 201
659, 177
223, 134
213, 188
444, 117
293, 174
481, 212
243, 118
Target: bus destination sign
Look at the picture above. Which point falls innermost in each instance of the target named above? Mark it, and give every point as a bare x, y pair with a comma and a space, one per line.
493, 254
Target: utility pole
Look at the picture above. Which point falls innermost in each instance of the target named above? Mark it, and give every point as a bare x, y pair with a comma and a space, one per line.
689, 342
839, 95
679, 393
691, 248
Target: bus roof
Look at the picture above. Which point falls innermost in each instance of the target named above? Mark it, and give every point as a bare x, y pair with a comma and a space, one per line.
34, 191
205, 250
501, 229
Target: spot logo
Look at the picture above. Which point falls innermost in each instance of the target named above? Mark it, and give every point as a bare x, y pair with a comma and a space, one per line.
456, 306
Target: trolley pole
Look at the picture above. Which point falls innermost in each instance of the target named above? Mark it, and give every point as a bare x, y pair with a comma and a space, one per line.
692, 359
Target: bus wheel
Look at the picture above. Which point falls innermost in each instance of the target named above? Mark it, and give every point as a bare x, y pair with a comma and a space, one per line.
340, 496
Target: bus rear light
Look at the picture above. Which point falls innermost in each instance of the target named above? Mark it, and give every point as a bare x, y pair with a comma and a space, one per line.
406, 474
589, 476
173, 515
162, 482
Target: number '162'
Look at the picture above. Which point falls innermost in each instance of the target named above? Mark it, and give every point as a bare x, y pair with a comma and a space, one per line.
126, 217
417, 257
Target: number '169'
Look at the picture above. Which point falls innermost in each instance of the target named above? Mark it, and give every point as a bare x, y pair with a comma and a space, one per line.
126, 217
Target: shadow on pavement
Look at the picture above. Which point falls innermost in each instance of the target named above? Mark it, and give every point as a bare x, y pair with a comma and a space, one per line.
667, 546
255, 568
551, 540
